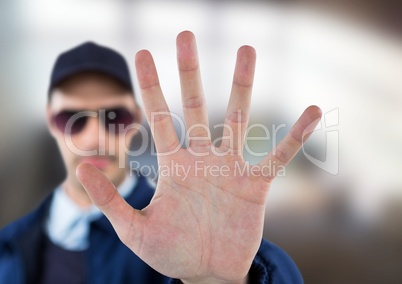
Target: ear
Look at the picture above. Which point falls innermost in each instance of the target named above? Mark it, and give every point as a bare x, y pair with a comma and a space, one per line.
50, 124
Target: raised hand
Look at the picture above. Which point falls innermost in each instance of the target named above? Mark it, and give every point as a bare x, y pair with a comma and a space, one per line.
204, 227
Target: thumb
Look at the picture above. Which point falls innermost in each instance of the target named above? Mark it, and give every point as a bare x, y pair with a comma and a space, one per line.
126, 221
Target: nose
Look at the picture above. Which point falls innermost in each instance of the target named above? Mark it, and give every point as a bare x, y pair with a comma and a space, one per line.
92, 137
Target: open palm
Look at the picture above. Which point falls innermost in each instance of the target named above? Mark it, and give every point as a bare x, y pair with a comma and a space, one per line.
204, 223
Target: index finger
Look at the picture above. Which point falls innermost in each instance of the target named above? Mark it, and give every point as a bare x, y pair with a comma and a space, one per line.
156, 109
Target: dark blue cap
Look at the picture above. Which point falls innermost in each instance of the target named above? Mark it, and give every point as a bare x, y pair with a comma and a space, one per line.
90, 56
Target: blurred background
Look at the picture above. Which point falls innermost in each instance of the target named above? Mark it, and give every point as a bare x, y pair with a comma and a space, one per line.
341, 225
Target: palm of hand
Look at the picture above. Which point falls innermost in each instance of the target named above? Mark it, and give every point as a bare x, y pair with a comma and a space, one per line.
205, 220
195, 221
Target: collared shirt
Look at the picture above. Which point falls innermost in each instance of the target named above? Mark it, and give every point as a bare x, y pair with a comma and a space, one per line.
68, 224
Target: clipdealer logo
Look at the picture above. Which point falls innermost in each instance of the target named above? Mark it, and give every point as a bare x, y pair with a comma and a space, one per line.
327, 126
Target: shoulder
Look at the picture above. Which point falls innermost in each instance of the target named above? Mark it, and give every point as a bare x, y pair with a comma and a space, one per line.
274, 265
23, 225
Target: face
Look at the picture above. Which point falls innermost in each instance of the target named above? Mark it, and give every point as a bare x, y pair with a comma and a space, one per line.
95, 107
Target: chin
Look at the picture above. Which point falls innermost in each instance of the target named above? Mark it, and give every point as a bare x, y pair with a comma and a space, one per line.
115, 176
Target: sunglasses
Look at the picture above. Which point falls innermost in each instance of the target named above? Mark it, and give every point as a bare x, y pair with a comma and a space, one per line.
73, 121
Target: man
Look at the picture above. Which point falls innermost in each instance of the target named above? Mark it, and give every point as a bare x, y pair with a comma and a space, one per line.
205, 228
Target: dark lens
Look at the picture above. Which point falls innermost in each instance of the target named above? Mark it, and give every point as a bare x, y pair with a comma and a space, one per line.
117, 119
69, 122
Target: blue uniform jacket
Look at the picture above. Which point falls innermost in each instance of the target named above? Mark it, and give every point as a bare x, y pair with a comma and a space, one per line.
109, 260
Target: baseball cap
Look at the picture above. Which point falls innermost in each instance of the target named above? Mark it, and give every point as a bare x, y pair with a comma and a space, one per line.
90, 56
